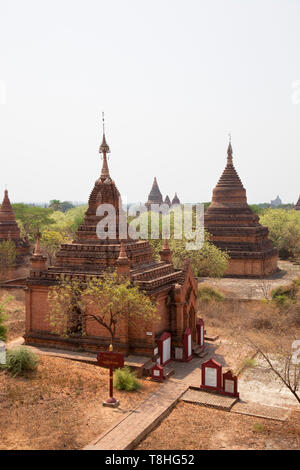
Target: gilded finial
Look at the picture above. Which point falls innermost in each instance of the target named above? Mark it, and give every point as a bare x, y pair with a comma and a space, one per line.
229, 151
104, 148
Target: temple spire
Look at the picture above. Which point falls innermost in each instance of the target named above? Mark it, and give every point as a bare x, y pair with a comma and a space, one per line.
229, 152
123, 263
37, 248
104, 149
166, 253
6, 211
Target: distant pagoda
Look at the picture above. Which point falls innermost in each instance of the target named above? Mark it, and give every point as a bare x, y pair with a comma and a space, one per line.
175, 200
276, 202
297, 206
155, 196
167, 201
9, 229
235, 228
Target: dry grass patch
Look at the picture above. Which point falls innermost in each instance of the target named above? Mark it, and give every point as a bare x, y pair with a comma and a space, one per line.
15, 312
60, 405
195, 427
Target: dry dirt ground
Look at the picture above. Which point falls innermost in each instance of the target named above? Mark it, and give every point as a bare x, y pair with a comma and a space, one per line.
195, 427
254, 288
60, 405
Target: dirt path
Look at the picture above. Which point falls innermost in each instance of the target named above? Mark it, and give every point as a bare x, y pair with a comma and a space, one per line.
260, 384
254, 288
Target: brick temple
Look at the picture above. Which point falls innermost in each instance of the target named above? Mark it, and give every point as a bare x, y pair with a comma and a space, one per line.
235, 228
9, 230
155, 197
175, 290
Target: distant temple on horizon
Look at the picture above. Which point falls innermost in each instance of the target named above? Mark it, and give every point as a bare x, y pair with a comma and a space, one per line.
276, 202
155, 197
9, 229
236, 229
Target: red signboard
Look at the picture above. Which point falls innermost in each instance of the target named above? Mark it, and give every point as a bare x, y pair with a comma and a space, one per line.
110, 359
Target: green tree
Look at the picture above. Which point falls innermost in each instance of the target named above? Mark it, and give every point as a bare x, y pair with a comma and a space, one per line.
75, 217
51, 242
106, 301
8, 255
209, 261
284, 230
66, 205
55, 204
67, 223
32, 218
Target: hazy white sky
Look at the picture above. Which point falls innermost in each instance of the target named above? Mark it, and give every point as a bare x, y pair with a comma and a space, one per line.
174, 77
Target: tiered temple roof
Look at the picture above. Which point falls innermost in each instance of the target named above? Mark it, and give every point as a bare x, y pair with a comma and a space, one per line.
90, 255
235, 228
297, 206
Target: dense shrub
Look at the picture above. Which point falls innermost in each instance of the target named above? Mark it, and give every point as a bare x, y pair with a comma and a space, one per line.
3, 317
208, 293
3, 329
20, 360
285, 295
284, 227
124, 379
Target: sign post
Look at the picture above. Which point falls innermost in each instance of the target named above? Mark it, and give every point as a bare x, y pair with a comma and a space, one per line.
112, 361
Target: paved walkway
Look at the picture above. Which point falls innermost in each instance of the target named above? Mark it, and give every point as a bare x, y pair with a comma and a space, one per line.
128, 432
212, 400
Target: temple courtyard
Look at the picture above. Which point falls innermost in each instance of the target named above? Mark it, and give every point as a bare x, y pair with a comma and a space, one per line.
60, 405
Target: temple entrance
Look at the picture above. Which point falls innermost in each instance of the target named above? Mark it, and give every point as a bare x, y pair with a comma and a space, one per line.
192, 323
164, 348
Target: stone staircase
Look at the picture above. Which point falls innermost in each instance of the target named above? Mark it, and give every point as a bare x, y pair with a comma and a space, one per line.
168, 369
199, 352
